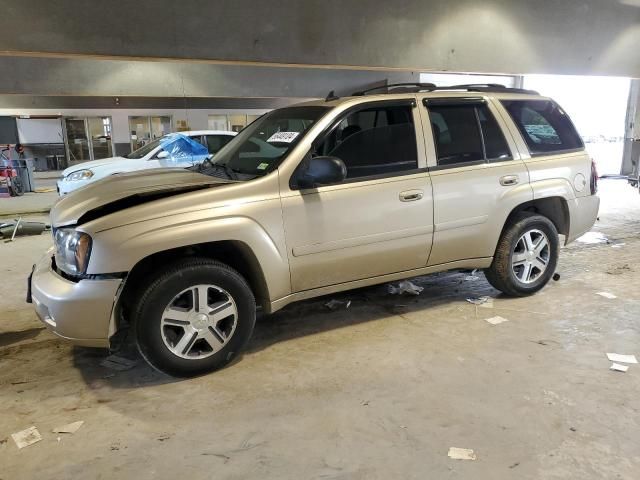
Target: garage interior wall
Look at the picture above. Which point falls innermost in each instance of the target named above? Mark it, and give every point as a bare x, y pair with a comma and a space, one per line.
578, 37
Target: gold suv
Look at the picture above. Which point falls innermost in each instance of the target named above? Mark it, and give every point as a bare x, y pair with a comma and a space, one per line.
313, 199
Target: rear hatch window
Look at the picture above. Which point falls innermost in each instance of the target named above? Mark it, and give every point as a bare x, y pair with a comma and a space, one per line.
545, 127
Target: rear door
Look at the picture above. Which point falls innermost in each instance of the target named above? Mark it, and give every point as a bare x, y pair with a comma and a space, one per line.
379, 219
477, 175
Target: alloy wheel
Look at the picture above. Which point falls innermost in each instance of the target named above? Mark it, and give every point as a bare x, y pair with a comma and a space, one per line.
530, 256
199, 322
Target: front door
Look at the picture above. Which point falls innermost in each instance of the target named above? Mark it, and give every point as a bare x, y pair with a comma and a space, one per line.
477, 180
380, 219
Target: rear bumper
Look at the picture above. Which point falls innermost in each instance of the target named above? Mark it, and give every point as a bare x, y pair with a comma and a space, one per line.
583, 212
76, 311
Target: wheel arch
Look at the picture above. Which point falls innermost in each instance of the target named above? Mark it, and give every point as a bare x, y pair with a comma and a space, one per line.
554, 208
236, 254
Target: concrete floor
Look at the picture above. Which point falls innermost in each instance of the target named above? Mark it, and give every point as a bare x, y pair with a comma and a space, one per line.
32, 202
375, 391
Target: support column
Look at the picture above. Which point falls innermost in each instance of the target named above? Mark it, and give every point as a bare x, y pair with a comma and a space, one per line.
631, 154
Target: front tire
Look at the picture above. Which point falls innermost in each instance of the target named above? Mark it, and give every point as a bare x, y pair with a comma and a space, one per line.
194, 317
526, 255
16, 189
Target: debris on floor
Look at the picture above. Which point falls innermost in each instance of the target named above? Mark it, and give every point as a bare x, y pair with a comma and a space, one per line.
69, 428
336, 304
618, 245
484, 301
461, 453
619, 368
496, 320
405, 286
606, 295
621, 358
472, 277
556, 277
26, 437
18, 227
593, 238
619, 269
115, 362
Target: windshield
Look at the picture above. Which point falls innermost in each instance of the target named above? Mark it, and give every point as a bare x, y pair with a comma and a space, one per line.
260, 147
143, 151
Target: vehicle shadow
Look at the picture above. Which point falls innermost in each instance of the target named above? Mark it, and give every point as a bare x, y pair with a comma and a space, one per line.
368, 304
298, 320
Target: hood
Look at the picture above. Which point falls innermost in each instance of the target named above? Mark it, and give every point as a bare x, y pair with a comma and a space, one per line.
93, 164
126, 190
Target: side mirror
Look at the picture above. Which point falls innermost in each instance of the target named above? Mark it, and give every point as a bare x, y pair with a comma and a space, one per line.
321, 171
162, 154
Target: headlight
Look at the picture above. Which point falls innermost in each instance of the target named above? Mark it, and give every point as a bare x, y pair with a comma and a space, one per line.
72, 250
79, 175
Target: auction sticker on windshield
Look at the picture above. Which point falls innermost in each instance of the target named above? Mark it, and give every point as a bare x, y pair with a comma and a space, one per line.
283, 137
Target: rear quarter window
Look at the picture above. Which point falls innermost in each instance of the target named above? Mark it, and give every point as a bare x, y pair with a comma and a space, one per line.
545, 127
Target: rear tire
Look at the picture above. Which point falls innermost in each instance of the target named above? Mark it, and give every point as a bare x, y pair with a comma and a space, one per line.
194, 317
526, 255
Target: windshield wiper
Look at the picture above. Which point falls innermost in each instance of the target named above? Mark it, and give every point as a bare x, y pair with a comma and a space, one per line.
208, 164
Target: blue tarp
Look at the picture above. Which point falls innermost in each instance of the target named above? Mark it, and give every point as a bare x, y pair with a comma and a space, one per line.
183, 149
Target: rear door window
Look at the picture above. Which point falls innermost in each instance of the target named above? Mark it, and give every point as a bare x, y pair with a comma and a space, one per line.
545, 127
466, 133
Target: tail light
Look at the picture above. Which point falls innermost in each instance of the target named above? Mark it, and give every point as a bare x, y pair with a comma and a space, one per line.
594, 178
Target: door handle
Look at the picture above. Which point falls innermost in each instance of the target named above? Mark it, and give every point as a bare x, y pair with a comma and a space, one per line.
411, 195
509, 180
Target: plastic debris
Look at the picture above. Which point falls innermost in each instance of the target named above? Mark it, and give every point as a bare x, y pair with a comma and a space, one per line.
617, 357
606, 295
593, 238
472, 276
405, 286
481, 301
115, 362
336, 304
496, 320
618, 245
26, 437
556, 277
461, 453
616, 367
69, 428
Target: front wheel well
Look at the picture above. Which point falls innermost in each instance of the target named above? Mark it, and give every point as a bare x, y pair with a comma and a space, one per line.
554, 208
233, 253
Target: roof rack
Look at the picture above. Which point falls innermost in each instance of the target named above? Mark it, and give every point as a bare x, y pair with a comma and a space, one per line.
406, 87
430, 87
487, 87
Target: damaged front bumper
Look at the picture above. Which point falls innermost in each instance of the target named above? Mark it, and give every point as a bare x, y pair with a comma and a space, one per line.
78, 311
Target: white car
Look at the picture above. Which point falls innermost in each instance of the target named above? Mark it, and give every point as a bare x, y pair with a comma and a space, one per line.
152, 155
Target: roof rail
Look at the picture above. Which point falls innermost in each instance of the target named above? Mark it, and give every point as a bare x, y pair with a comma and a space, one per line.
486, 87
430, 87
397, 88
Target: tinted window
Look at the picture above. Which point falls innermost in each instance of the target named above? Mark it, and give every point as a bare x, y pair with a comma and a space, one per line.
495, 145
544, 125
216, 142
456, 134
466, 133
374, 141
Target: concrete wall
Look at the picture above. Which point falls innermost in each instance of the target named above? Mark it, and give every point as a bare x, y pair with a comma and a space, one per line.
82, 76
508, 36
